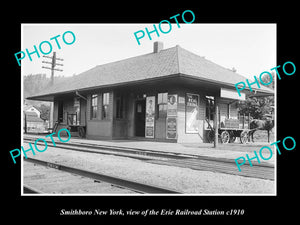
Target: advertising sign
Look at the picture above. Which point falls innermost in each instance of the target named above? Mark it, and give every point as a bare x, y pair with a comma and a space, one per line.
232, 94
150, 117
191, 113
171, 128
172, 105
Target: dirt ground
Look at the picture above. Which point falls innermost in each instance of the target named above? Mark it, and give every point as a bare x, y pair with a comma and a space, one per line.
185, 180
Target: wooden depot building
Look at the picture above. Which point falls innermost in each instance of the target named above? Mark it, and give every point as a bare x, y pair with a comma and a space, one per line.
166, 95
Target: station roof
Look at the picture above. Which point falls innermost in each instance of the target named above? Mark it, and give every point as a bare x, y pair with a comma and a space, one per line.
174, 61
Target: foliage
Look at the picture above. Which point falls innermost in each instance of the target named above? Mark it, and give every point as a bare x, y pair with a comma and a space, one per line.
45, 111
258, 107
266, 79
33, 85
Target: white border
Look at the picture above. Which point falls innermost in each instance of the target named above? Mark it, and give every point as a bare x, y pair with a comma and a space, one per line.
224, 194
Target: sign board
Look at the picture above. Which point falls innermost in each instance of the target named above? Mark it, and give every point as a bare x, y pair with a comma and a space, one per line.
191, 113
171, 127
232, 94
172, 105
76, 118
149, 133
150, 117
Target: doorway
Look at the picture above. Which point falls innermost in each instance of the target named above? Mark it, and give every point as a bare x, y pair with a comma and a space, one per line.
140, 109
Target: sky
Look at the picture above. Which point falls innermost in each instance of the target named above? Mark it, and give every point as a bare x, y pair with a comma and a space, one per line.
249, 48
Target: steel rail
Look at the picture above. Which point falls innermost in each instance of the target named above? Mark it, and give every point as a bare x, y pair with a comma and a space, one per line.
126, 150
128, 184
219, 167
88, 149
30, 190
143, 152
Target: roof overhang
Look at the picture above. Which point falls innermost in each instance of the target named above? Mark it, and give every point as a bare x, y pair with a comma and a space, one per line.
207, 85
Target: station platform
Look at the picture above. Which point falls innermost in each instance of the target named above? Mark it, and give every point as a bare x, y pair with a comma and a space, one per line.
228, 151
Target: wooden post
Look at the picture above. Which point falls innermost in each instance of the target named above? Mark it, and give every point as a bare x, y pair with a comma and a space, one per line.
249, 121
25, 121
53, 64
216, 125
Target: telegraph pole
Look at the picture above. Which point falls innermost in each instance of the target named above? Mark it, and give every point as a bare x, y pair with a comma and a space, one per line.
52, 68
53, 64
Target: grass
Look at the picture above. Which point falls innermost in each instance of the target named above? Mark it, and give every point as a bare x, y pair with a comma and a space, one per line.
262, 136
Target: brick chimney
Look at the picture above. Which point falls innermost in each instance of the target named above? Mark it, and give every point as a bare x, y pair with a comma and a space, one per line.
158, 46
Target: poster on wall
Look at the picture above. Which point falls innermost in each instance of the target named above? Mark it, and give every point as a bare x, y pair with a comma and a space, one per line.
172, 105
150, 117
171, 128
191, 113
77, 111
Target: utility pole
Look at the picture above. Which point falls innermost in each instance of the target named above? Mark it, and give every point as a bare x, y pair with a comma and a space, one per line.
52, 68
53, 64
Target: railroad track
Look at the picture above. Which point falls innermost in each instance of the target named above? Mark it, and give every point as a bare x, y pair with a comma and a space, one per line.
30, 190
139, 153
256, 171
114, 150
116, 181
196, 162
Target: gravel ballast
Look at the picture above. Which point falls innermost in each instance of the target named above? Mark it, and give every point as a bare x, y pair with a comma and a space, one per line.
184, 180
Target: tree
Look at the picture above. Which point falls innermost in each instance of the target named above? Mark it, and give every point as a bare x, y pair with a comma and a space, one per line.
45, 111
266, 79
258, 107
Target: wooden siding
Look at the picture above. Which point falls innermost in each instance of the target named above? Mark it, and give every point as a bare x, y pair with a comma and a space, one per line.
120, 125
223, 112
98, 128
83, 114
124, 128
160, 128
233, 111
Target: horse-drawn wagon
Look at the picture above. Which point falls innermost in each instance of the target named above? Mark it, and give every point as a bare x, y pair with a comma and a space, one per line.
230, 129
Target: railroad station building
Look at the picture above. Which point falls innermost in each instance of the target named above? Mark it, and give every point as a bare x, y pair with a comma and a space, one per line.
166, 95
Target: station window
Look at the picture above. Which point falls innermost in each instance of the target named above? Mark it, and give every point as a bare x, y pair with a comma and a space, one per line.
94, 106
162, 102
105, 105
210, 107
